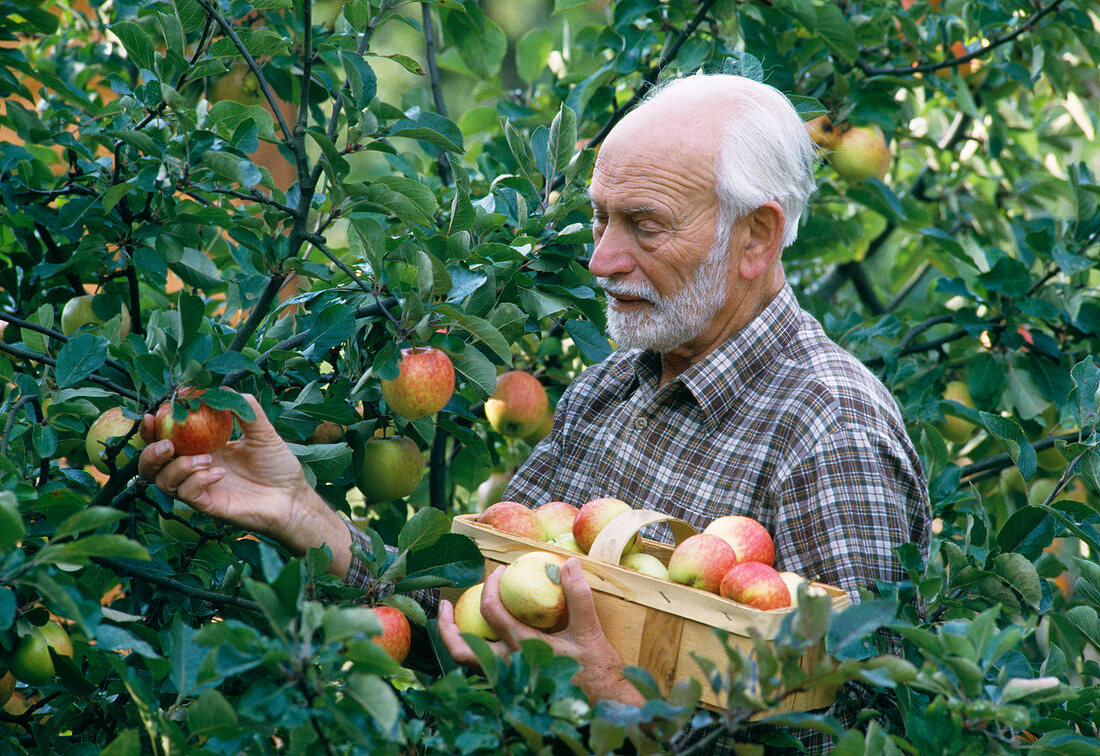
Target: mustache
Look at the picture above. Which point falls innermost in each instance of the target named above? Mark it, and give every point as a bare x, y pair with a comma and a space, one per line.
641, 289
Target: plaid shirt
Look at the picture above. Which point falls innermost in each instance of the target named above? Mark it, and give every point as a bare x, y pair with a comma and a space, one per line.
779, 424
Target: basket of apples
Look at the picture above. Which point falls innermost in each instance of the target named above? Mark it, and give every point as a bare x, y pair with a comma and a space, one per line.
658, 602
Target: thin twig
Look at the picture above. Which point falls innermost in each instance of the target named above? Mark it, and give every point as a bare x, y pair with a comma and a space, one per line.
443, 161
27, 354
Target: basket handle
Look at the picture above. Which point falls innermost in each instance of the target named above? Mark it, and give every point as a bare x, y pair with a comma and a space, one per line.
613, 539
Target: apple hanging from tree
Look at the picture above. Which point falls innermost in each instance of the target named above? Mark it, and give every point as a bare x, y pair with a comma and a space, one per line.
821, 131
860, 153
513, 518
31, 662
240, 85
518, 405
392, 468
468, 615
750, 540
79, 310
396, 637
491, 490
757, 585
192, 425
424, 384
110, 425
701, 561
530, 589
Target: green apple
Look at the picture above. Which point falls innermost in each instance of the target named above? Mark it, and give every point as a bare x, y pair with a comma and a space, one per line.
530, 589
491, 489
57, 639
79, 311
468, 615
518, 405
424, 384
647, 564
392, 468
240, 85
860, 153
954, 428
31, 662
568, 542
110, 425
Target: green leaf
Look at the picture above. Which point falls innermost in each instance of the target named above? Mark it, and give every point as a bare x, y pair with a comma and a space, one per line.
138, 44
423, 529
1027, 531
532, 52
833, 29
453, 560
482, 330
1013, 440
81, 356
117, 546
430, 127
849, 635
409, 200
476, 369
361, 78
377, 698
1082, 399
211, 715
1019, 573
563, 138
11, 522
480, 42
594, 345
88, 519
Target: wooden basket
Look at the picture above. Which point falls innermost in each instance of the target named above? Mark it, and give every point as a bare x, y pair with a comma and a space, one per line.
653, 623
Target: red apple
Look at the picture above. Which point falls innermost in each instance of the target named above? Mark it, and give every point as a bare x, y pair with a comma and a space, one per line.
757, 585
701, 561
425, 382
326, 432
518, 405
111, 424
821, 131
468, 615
530, 589
513, 518
203, 431
556, 518
593, 516
750, 540
392, 468
396, 634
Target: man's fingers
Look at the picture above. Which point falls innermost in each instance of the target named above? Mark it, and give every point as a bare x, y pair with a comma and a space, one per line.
193, 488
172, 475
261, 428
153, 458
452, 637
578, 600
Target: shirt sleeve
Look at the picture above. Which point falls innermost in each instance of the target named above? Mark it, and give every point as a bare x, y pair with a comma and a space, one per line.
360, 576
845, 506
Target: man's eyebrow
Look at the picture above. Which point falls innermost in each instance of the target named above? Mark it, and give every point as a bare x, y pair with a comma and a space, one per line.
635, 210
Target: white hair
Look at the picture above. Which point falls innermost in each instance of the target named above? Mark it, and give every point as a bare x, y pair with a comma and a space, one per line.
766, 153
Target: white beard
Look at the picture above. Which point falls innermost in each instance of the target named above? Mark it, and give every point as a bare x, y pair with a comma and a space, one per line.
668, 323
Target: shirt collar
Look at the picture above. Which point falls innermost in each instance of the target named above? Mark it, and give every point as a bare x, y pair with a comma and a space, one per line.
716, 381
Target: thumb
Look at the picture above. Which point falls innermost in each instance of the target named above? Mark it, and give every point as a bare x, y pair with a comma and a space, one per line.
583, 619
259, 429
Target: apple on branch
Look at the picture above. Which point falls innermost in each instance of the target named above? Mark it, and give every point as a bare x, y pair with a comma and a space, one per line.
424, 383
757, 585
112, 424
396, 637
491, 490
513, 518
530, 589
79, 311
192, 425
518, 405
701, 561
750, 540
392, 468
860, 153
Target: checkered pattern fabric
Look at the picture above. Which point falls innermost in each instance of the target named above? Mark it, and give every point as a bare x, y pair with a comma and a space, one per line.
779, 424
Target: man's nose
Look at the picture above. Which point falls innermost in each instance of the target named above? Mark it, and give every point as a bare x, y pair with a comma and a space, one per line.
611, 255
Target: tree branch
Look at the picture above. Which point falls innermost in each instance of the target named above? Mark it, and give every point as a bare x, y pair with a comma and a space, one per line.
210, 597
443, 161
27, 354
952, 62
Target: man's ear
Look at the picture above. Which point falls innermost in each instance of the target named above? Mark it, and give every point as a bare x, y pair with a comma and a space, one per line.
762, 240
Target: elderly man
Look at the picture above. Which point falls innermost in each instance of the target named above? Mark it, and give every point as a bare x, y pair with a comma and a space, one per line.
725, 397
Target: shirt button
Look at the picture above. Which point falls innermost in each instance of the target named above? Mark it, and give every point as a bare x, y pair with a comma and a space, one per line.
640, 423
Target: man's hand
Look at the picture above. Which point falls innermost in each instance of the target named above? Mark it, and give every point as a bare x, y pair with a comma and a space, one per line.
582, 638
255, 483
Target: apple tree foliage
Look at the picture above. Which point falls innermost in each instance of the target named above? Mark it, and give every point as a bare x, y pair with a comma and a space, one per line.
289, 241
